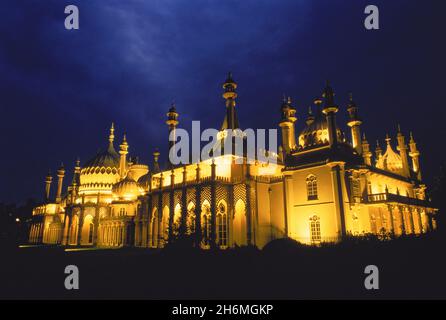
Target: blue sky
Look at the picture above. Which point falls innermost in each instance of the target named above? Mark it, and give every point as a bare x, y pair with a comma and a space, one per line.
60, 90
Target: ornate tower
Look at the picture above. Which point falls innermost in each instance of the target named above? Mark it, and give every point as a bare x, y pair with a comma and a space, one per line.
172, 123
415, 155
366, 154
354, 123
123, 151
287, 125
330, 109
402, 148
229, 94
48, 181
60, 176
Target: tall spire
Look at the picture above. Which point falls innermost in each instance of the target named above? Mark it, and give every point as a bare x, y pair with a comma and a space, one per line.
123, 151
229, 94
402, 148
415, 155
60, 176
111, 138
366, 154
48, 180
287, 124
378, 152
172, 124
330, 109
354, 123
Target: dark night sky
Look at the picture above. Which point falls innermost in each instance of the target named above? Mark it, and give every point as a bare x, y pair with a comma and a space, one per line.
60, 90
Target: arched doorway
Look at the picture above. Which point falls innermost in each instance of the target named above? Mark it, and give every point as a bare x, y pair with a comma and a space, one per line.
191, 218
164, 232
176, 221
206, 223
154, 228
239, 225
73, 230
87, 231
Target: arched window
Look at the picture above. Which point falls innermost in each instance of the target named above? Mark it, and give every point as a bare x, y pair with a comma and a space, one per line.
222, 225
190, 223
315, 229
122, 212
206, 223
90, 233
312, 187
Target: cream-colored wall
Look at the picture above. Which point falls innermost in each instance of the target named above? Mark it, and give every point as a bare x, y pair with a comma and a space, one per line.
302, 209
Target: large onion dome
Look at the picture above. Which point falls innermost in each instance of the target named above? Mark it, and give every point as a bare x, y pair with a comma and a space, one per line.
102, 171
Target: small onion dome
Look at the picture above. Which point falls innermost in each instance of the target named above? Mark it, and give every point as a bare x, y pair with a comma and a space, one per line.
126, 189
316, 131
143, 182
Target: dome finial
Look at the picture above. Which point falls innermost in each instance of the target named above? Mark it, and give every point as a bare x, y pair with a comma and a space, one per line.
111, 137
388, 139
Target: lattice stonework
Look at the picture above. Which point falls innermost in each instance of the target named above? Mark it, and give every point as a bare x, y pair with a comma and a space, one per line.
240, 193
166, 199
190, 195
206, 194
177, 196
222, 193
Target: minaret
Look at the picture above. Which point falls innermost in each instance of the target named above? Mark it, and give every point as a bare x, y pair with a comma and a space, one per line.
60, 176
156, 166
172, 123
287, 125
123, 151
48, 180
76, 179
229, 94
366, 154
402, 148
354, 123
415, 155
378, 152
330, 110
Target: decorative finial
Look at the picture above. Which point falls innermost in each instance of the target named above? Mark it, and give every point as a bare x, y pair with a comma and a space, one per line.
111, 137
388, 138
310, 112
284, 98
399, 128
289, 100
350, 96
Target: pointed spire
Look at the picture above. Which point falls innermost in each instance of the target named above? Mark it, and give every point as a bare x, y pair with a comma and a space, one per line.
328, 95
388, 139
111, 137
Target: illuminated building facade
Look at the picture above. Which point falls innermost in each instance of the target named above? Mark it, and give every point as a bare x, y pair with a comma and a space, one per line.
322, 188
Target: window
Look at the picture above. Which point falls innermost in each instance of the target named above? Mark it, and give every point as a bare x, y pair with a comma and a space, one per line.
222, 226
206, 224
315, 229
122, 212
312, 187
90, 233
